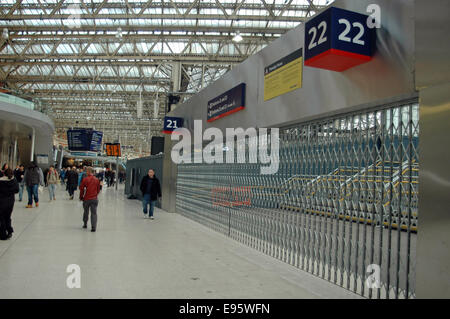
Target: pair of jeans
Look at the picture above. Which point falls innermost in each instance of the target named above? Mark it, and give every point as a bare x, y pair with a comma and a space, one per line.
21, 186
147, 201
33, 192
51, 190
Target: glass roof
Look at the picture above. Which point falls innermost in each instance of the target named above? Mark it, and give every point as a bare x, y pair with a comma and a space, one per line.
88, 60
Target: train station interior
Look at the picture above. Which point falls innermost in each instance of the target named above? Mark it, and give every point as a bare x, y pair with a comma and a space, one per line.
224, 149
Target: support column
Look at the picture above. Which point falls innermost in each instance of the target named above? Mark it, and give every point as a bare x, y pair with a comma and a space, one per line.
14, 162
433, 238
176, 76
33, 138
169, 190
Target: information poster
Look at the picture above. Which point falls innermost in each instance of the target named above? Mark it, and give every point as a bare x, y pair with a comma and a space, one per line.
42, 158
283, 76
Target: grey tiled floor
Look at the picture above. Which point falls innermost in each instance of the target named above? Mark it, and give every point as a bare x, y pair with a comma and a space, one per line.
133, 257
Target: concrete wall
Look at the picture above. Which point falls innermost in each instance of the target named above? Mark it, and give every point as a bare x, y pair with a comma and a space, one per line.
21, 122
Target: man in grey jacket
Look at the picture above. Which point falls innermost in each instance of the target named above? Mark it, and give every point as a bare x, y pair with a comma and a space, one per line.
33, 178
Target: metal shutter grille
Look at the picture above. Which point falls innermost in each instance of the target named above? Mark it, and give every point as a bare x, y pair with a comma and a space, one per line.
345, 197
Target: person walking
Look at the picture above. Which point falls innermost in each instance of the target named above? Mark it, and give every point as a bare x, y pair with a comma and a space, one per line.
62, 175
108, 177
151, 191
52, 180
18, 174
72, 181
81, 175
89, 189
33, 178
8, 187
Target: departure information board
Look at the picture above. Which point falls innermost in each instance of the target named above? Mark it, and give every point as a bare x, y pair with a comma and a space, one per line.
113, 149
84, 140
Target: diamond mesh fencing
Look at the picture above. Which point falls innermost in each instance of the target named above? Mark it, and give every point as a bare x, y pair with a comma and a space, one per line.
342, 206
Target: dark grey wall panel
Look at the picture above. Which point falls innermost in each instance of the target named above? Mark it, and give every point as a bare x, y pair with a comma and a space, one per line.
138, 168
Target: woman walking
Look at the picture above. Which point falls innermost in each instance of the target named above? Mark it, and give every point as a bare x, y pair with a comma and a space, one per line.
52, 180
8, 187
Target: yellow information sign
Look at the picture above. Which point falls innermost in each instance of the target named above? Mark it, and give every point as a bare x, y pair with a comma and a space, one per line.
283, 76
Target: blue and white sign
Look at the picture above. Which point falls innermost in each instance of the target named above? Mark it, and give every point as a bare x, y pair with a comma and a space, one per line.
96, 141
171, 123
227, 103
338, 39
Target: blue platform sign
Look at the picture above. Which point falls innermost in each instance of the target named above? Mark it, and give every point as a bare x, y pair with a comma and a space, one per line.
338, 39
171, 123
227, 103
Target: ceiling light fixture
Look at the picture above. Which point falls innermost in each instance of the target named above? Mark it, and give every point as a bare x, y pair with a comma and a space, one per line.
119, 32
5, 33
237, 37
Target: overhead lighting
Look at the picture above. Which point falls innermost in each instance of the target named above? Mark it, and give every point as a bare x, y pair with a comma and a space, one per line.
237, 37
119, 32
5, 34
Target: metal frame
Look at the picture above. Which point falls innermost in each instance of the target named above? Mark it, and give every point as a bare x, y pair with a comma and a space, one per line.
345, 197
45, 57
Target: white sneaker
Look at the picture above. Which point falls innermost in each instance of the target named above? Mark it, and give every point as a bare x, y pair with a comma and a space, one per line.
151, 217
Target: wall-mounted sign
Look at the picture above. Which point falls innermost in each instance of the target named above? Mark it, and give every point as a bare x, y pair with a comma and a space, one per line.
172, 123
284, 75
84, 140
42, 158
227, 103
338, 39
113, 149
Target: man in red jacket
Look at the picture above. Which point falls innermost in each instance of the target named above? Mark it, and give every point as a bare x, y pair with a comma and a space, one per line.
89, 189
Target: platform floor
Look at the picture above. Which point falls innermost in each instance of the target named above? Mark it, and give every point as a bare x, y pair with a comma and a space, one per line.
133, 257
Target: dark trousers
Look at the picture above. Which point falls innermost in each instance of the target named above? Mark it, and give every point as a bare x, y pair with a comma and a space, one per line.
71, 189
6, 209
92, 205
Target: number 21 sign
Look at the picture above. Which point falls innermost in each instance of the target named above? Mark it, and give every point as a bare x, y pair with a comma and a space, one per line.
172, 123
338, 40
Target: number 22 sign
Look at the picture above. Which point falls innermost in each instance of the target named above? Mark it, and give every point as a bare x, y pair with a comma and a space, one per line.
338, 39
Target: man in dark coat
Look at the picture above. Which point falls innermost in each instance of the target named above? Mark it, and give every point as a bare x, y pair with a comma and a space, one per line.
151, 191
72, 181
8, 187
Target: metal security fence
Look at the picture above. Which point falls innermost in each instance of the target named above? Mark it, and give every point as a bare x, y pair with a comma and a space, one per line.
342, 206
